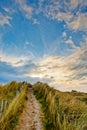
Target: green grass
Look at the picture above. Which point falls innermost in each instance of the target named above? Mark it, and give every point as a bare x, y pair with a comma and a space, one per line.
63, 110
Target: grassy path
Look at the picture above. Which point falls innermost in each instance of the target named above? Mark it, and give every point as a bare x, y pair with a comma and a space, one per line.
32, 115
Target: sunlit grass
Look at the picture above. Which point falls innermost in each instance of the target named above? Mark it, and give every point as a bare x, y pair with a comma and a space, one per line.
10, 116
63, 110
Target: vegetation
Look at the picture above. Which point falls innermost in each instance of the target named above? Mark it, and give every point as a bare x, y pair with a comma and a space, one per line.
63, 110
15, 94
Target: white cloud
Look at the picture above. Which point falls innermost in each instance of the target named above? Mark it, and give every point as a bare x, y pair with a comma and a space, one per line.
63, 16
71, 43
6, 9
74, 3
64, 34
68, 11
9, 10
66, 72
35, 21
5, 20
13, 60
79, 23
25, 8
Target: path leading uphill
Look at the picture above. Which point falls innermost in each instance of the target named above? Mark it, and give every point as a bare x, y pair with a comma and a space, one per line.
32, 115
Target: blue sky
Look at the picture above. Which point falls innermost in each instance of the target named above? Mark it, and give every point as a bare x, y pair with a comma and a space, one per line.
44, 40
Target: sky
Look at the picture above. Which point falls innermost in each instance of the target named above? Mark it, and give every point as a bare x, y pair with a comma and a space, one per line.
44, 40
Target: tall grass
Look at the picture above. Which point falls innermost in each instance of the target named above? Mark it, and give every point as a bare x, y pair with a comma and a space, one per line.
11, 115
63, 111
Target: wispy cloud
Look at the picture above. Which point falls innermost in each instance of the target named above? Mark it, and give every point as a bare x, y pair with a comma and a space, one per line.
71, 12
26, 9
74, 3
5, 20
12, 60
13, 67
64, 72
18, 73
35, 21
27, 43
8, 10
71, 43
64, 34
68, 11
79, 22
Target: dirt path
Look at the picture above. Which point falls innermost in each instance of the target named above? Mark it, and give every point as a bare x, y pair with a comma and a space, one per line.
31, 116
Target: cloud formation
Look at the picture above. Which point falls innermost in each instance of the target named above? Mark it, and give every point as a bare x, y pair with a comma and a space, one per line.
58, 58
5, 20
80, 22
26, 9
64, 72
71, 43
13, 60
64, 34
15, 69
71, 12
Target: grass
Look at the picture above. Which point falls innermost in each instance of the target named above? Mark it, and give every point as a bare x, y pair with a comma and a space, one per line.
63, 110
15, 107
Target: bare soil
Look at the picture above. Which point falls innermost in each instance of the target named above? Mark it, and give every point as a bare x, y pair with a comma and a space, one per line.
32, 115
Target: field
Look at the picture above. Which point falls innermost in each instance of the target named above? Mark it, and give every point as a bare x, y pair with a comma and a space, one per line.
62, 110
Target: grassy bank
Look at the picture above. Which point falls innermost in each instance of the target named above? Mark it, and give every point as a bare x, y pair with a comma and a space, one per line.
15, 94
63, 110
